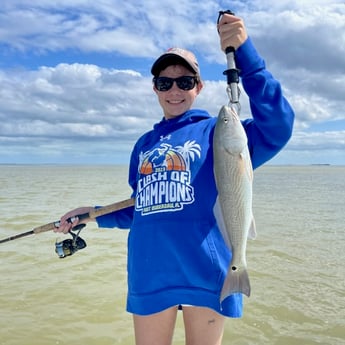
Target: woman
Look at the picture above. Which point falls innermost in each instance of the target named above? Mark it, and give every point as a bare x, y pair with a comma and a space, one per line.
176, 254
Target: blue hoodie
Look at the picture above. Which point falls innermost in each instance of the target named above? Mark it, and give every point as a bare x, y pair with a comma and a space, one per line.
176, 253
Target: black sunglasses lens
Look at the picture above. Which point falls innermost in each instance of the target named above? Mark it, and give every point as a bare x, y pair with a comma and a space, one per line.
185, 83
163, 83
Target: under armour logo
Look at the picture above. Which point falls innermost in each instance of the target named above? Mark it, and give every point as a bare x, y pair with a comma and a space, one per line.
167, 137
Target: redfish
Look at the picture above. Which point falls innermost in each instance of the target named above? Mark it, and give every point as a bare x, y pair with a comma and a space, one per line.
233, 209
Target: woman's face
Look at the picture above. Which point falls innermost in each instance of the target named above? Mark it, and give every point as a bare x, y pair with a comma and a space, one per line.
176, 101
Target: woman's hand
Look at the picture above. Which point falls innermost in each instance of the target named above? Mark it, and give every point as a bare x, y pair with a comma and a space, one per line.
65, 223
232, 31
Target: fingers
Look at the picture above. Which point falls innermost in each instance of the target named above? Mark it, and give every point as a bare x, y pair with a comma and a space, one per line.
67, 222
232, 31
70, 219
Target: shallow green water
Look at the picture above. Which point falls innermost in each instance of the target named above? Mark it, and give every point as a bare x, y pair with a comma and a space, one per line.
296, 264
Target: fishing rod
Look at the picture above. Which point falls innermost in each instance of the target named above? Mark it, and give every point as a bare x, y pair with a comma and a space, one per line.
70, 246
232, 73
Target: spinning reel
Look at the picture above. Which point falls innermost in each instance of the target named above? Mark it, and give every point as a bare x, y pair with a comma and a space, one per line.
70, 246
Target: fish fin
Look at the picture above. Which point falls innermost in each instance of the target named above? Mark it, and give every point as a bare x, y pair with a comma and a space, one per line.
247, 167
252, 230
217, 211
236, 281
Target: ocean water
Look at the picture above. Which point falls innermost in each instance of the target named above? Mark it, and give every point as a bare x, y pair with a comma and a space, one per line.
296, 264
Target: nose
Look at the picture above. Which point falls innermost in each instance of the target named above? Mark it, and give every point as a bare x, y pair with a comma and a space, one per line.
174, 86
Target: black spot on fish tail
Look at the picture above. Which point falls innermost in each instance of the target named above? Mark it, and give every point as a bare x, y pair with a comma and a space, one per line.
236, 281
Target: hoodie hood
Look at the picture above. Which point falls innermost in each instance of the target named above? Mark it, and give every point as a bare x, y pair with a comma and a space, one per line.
166, 127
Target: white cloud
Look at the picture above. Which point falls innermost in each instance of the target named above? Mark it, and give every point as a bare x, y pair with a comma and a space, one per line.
318, 141
65, 107
135, 29
62, 106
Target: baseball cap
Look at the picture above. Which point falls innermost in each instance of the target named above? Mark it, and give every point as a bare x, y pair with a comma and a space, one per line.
176, 56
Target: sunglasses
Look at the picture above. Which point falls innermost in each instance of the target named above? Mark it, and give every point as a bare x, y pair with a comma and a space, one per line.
184, 83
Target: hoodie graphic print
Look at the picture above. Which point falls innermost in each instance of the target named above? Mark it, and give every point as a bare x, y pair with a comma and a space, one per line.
165, 177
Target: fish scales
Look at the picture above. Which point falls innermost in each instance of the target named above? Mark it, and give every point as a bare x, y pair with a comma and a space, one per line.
233, 209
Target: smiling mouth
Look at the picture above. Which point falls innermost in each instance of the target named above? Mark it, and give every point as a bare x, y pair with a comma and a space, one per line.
176, 102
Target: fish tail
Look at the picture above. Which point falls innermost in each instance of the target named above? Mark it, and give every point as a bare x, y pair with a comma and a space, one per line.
236, 281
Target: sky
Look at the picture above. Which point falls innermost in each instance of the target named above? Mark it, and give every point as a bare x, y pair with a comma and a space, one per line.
76, 88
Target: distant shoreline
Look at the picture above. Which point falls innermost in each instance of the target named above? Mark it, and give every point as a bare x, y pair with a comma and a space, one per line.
126, 164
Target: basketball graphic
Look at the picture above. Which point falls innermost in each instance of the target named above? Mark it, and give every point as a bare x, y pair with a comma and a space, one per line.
146, 167
175, 161
167, 158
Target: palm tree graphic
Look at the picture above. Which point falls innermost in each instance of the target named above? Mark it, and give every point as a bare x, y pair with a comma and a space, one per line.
189, 151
